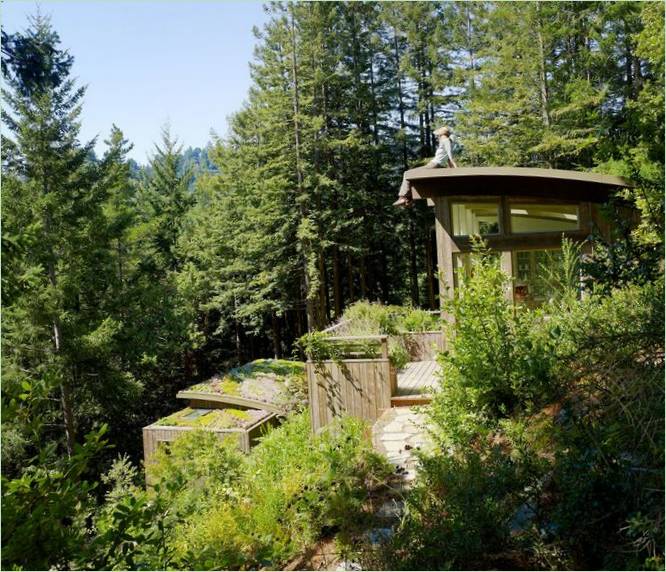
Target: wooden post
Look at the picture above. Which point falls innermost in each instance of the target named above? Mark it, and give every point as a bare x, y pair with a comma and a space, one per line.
444, 248
385, 352
506, 262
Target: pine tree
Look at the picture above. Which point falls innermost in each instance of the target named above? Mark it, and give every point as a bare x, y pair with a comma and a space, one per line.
58, 334
165, 198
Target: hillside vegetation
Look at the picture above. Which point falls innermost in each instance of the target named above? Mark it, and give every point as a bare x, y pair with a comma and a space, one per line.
123, 285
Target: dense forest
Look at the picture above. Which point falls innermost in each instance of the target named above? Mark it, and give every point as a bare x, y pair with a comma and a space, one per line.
123, 283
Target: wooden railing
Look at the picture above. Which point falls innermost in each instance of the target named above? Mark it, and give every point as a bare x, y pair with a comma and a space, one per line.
360, 381
424, 346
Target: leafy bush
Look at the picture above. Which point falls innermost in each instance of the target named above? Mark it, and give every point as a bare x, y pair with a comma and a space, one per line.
131, 527
550, 432
262, 509
57, 501
458, 512
628, 258
499, 356
371, 319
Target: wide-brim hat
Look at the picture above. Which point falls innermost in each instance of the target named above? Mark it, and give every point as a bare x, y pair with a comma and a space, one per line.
443, 130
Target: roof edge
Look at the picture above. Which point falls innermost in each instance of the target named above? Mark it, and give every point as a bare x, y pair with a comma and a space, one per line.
422, 173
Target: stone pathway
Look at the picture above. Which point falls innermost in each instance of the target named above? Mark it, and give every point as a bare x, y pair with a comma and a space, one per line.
399, 433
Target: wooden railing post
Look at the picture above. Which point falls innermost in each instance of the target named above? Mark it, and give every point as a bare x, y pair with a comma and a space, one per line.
385, 351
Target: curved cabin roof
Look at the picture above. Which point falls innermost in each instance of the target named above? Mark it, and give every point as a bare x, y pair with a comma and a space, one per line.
517, 181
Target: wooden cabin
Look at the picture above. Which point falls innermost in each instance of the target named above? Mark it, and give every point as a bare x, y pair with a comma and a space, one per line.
522, 213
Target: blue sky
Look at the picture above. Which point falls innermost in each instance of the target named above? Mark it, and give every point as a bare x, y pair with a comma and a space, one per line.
148, 63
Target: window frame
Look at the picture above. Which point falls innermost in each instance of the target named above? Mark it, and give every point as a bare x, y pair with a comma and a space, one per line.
513, 201
497, 201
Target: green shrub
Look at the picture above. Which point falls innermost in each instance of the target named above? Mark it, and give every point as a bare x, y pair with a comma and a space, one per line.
371, 319
499, 358
263, 509
550, 432
197, 466
416, 320
132, 526
457, 514
44, 511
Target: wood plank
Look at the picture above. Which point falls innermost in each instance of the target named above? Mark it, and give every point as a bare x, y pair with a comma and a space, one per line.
371, 393
410, 400
228, 399
313, 397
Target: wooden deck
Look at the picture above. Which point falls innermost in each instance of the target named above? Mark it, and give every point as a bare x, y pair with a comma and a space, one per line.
417, 377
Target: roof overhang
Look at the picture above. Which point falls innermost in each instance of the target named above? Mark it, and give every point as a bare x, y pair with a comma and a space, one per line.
519, 181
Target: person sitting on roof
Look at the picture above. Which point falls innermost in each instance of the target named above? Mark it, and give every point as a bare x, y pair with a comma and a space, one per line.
442, 155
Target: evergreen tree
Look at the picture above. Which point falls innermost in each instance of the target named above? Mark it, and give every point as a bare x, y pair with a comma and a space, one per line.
165, 198
58, 332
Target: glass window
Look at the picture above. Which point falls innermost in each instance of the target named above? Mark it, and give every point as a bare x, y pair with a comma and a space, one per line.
462, 265
527, 217
475, 218
534, 271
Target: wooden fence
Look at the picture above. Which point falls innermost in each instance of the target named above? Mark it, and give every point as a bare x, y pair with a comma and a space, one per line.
357, 387
424, 346
362, 382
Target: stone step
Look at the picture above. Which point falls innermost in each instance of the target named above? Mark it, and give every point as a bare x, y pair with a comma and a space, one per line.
399, 433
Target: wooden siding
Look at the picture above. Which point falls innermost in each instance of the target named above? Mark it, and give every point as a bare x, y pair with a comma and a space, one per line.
155, 434
357, 387
424, 346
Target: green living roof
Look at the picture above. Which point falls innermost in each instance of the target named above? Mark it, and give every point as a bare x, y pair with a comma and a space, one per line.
215, 418
275, 385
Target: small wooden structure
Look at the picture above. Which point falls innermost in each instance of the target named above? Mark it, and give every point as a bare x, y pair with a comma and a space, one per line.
522, 213
240, 404
246, 434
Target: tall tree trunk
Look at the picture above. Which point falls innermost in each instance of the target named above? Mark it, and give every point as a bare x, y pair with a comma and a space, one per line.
472, 62
323, 292
337, 282
65, 396
383, 277
350, 277
375, 122
275, 335
237, 341
65, 387
305, 242
412, 238
364, 286
543, 80
401, 104
413, 273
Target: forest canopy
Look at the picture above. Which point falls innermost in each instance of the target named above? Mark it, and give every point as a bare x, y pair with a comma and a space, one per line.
123, 284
